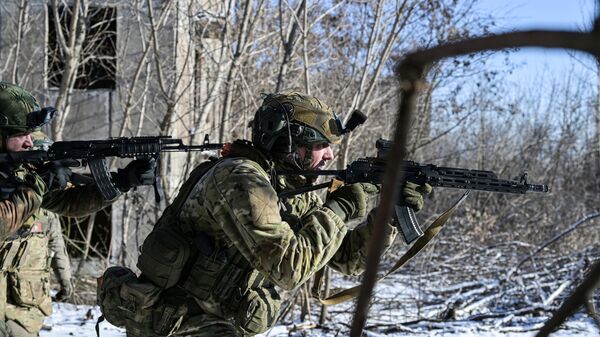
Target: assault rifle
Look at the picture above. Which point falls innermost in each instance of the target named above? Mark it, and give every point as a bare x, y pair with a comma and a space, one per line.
94, 152
371, 170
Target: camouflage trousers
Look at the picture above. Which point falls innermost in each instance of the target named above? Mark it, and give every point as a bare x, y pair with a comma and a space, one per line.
206, 325
13, 329
23, 321
4, 331
198, 325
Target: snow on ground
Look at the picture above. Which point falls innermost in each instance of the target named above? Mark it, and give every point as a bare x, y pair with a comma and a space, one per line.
69, 320
399, 298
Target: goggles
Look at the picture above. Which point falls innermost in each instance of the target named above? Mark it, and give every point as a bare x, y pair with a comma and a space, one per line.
35, 119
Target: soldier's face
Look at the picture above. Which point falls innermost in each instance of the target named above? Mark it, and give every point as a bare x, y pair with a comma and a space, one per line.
20, 142
320, 154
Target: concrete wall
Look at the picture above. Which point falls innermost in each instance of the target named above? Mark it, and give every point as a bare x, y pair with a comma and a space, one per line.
100, 113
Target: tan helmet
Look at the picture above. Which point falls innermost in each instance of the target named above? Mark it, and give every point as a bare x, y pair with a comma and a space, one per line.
293, 118
20, 111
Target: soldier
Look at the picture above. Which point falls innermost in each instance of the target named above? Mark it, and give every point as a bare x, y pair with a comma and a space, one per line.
26, 233
244, 241
60, 264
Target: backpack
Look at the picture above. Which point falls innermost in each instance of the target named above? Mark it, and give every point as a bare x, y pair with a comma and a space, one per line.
128, 302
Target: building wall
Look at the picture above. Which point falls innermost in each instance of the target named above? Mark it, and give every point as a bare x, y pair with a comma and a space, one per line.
138, 104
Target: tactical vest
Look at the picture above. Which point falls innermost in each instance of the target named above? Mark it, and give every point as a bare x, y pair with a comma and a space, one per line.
25, 274
220, 279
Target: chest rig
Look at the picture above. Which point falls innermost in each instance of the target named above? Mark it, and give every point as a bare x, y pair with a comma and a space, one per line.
27, 249
25, 273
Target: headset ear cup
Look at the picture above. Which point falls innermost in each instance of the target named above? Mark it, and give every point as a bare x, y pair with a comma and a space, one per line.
270, 123
276, 123
273, 121
296, 129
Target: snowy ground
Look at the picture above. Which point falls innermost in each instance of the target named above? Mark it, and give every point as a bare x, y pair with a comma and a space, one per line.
480, 307
69, 320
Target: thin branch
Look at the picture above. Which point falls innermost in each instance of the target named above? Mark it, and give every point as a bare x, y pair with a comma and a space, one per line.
557, 237
579, 297
410, 72
289, 46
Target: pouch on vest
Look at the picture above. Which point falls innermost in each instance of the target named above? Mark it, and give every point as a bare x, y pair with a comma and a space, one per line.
127, 302
258, 310
28, 277
145, 314
109, 293
231, 281
28, 253
207, 275
30, 288
163, 256
30, 319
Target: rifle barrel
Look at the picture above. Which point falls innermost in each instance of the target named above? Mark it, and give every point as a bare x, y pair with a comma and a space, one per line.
189, 148
312, 173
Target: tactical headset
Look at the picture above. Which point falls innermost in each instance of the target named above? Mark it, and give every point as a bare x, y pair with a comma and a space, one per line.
271, 123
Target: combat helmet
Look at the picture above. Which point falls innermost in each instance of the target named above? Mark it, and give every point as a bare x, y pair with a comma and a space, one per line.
20, 111
290, 119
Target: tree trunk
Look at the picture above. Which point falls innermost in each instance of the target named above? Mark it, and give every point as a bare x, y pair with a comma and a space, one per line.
597, 120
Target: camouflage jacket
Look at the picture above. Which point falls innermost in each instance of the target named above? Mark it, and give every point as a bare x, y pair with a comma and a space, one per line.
28, 197
287, 241
47, 224
32, 242
25, 259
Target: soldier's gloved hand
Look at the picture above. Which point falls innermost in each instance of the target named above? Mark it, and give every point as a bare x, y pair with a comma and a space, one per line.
351, 201
57, 174
138, 172
414, 194
35, 183
65, 292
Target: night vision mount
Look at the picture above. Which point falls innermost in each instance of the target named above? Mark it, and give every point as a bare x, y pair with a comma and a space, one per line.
357, 118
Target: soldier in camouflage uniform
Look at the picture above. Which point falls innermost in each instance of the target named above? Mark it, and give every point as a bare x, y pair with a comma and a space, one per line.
60, 264
244, 241
28, 235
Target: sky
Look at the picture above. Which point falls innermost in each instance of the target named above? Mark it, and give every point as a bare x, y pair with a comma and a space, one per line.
542, 14
556, 14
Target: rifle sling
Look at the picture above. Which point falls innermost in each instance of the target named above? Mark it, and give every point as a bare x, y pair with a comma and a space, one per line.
430, 233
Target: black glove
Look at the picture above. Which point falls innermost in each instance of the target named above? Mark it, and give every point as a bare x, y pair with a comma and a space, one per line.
138, 172
9, 184
65, 292
351, 201
56, 174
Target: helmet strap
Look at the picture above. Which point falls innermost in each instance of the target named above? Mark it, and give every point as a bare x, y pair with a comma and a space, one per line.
303, 163
307, 157
296, 160
287, 125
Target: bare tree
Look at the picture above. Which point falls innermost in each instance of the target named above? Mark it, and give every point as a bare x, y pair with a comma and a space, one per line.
70, 41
